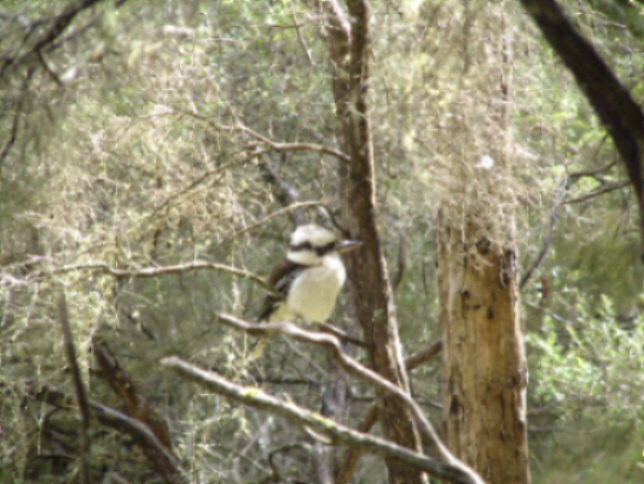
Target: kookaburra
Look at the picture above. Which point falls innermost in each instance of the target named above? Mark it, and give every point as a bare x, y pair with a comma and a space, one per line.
310, 277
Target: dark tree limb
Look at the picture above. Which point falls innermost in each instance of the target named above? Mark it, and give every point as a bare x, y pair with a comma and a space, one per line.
16, 116
79, 387
607, 188
59, 25
124, 387
163, 462
348, 40
612, 102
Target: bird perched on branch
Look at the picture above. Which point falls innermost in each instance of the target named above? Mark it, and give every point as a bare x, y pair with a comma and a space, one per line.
310, 277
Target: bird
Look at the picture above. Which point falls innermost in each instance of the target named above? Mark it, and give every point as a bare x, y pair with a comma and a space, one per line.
309, 279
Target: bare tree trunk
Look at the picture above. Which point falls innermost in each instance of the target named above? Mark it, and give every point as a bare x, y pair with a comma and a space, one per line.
348, 42
484, 373
484, 370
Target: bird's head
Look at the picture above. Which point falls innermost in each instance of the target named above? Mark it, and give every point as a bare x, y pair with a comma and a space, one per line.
311, 243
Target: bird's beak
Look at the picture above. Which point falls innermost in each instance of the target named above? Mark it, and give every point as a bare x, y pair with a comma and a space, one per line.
348, 245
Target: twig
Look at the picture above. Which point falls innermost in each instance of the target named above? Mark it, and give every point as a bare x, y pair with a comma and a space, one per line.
277, 213
300, 39
424, 354
163, 270
592, 172
48, 68
353, 455
81, 395
16, 117
342, 335
337, 433
609, 187
63, 20
126, 389
402, 262
556, 201
352, 366
286, 194
196, 182
293, 146
276, 475
273, 145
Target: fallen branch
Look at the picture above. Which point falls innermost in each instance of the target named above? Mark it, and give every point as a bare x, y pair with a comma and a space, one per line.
338, 434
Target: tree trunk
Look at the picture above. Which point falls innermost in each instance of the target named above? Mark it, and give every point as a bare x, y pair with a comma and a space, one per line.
348, 43
484, 373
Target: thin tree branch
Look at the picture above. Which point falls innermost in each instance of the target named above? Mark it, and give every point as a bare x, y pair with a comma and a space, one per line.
16, 117
48, 68
273, 145
164, 270
609, 187
284, 192
81, 395
593, 172
197, 182
337, 433
353, 455
556, 201
342, 335
353, 367
126, 389
277, 213
300, 39
292, 146
424, 354
371, 416
402, 262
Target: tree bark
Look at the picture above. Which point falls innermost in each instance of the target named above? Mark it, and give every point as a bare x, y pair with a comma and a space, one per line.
484, 370
348, 41
484, 373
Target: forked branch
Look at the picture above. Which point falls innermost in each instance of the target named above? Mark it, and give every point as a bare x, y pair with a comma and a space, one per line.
352, 366
338, 434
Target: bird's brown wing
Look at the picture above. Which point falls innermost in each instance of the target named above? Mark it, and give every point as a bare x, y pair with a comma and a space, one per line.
281, 279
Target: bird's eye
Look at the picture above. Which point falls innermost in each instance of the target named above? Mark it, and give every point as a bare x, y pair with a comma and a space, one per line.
326, 249
302, 246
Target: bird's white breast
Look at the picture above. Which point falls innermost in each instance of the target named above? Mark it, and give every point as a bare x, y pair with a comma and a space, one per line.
313, 293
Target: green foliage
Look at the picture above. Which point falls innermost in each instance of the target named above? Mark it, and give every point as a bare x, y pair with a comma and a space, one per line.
586, 380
